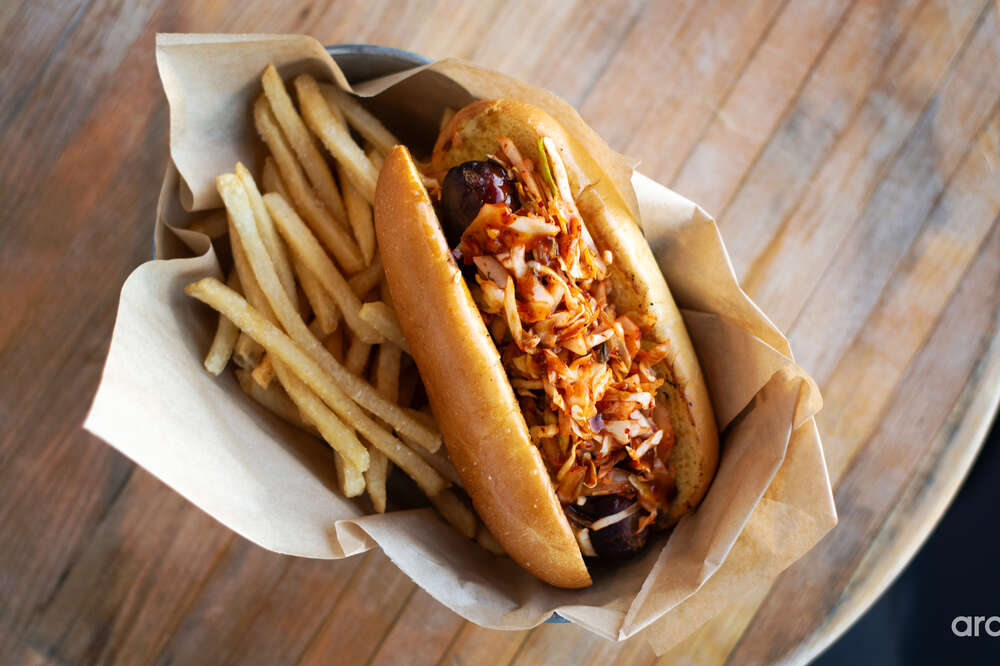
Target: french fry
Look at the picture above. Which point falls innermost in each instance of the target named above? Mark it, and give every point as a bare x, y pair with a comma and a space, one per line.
261, 280
375, 478
307, 250
264, 372
263, 270
456, 512
368, 279
302, 143
226, 335
275, 400
387, 362
272, 241
486, 539
359, 214
214, 225
226, 301
271, 179
335, 137
376, 158
329, 93
357, 356
334, 344
386, 373
383, 319
247, 353
360, 119
320, 300
349, 477
333, 234
340, 437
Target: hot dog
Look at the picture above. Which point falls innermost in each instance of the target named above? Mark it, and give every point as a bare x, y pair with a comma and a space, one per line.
556, 363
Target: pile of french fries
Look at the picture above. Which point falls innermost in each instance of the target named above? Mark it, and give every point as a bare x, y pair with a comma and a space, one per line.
305, 311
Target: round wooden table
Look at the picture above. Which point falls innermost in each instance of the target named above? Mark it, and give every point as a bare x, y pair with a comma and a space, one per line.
849, 150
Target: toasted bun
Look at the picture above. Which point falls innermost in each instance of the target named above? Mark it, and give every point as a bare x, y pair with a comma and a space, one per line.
638, 283
469, 393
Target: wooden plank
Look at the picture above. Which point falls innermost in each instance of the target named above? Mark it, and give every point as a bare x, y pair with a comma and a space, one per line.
836, 89
53, 361
421, 634
568, 644
856, 394
287, 618
845, 184
868, 255
257, 607
475, 645
746, 119
54, 108
941, 475
144, 559
216, 619
354, 628
40, 30
798, 604
653, 102
713, 641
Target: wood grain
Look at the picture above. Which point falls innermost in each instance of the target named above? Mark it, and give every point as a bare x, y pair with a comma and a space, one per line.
850, 150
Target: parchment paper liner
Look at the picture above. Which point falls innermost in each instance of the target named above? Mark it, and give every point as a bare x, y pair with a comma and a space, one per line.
770, 502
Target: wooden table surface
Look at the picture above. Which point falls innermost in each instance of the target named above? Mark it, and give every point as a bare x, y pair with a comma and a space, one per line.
851, 154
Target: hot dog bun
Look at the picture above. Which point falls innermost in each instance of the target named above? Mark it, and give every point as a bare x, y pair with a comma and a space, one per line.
640, 285
473, 402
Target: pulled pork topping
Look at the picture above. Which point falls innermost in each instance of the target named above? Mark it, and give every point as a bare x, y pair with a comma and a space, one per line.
583, 373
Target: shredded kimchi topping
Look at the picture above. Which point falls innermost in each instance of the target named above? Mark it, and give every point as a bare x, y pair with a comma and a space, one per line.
583, 373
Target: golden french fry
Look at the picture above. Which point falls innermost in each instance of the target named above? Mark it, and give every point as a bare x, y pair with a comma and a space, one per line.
456, 512
261, 279
272, 241
439, 460
332, 233
486, 539
314, 375
307, 250
329, 93
368, 279
274, 399
214, 225
386, 374
359, 214
349, 477
367, 125
387, 362
374, 156
246, 236
226, 335
302, 142
340, 437
264, 372
271, 179
357, 356
383, 319
335, 137
423, 417
375, 478
320, 300
247, 353
334, 344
